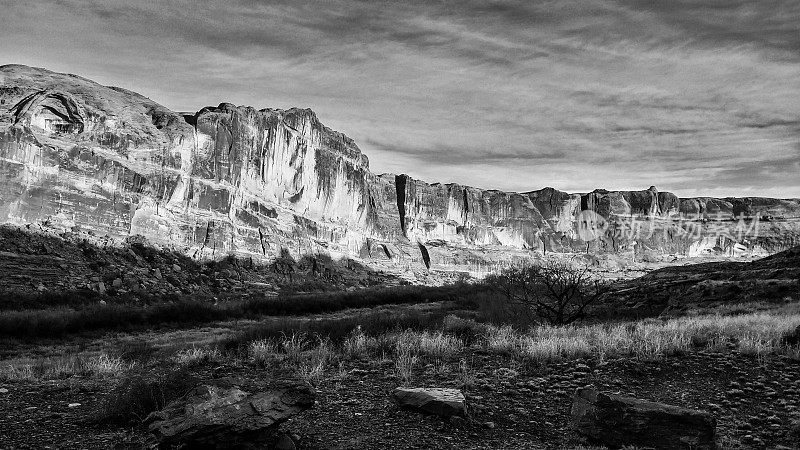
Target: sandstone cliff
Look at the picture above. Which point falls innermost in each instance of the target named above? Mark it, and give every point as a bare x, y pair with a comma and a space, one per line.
236, 179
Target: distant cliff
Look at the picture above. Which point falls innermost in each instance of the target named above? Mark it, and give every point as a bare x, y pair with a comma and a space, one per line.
236, 179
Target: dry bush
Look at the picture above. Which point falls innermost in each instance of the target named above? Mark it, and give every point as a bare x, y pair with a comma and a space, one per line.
553, 291
405, 360
294, 345
313, 363
197, 356
143, 391
467, 330
554, 344
757, 334
439, 345
502, 339
263, 352
106, 365
356, 345
60, 367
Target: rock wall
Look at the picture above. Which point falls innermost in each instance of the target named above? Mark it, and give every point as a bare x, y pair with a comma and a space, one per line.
235, 179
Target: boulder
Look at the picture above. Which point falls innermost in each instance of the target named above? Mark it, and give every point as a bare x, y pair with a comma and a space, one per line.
439, 401
625, 421
216, 416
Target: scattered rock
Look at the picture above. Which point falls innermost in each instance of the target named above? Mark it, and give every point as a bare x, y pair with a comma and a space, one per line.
439, 401
621, 421
3, 391
212, 415
73, 405
176, 268
157, 273
117, 283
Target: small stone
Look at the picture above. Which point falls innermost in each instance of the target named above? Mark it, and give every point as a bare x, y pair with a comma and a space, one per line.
489, 425
157, 273
117, 283
176, 268
101, 287
73, 405
3, 391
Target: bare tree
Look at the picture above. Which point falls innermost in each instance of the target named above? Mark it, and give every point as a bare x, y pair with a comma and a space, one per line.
554, 292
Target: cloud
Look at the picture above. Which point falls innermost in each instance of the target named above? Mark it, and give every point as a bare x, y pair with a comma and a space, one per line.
576, 94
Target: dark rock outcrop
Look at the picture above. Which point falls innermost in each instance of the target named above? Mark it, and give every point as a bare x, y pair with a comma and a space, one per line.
625, 421
227, 417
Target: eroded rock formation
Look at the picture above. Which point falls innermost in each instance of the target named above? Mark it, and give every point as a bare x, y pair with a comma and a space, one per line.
236, 179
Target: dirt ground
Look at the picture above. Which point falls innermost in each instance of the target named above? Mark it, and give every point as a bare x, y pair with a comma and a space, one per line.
511, 405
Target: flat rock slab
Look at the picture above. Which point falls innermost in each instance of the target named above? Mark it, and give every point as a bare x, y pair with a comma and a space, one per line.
617, 421
227, 417
439, 401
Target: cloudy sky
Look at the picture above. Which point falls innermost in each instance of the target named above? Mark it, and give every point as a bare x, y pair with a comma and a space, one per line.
700, 97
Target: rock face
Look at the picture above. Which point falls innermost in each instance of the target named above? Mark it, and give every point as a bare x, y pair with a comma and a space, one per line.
624, 421
438, 401
231, 179
227, 417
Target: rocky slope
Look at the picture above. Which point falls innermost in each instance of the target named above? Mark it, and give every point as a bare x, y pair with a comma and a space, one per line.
228, 179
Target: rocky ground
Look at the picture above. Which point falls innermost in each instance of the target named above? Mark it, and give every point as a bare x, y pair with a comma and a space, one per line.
40, 260
511, 405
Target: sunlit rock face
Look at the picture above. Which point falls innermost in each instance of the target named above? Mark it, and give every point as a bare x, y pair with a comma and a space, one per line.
236, 179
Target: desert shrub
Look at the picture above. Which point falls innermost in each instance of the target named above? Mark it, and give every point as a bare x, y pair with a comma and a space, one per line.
143, 391
293, 345
467, 330
106, 365
405, 360
63, 366
137, 350
64, 320
263, 352
757, 334
548, 343
553, 292
48, 299
439, 345
355, 345
336, 329
197, 356
312, 364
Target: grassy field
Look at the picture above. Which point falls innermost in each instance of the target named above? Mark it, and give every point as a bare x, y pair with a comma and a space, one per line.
314, 346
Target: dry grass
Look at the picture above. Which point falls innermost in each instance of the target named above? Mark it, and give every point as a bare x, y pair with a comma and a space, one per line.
404, 364
60, 367
263, 351
196, 356
757, 334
